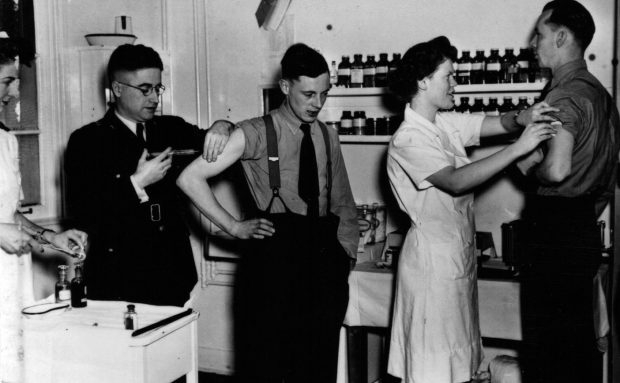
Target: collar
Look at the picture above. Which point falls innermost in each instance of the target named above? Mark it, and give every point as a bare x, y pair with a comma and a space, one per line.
414, 118
130, 124
567, 72
290, 119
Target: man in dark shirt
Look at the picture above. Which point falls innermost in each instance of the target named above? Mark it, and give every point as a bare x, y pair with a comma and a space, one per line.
576, 175
293, 288
123, 193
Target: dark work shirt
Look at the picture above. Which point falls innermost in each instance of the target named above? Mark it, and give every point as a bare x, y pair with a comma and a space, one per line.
587, 112
254, 161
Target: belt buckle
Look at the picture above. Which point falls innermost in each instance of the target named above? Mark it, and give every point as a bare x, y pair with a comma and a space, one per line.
155, 211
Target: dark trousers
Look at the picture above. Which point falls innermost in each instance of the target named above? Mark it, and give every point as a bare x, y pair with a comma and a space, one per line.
561, 254
292, 298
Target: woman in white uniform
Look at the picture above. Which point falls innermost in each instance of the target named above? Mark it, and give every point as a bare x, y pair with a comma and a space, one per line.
435, 331
16, 285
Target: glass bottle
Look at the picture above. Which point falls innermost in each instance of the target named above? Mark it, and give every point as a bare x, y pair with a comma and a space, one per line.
478, 106
359, 122
509, 67
463, 106
370, 126
62, 290
344, 72
130, 318
381, 128
333, 74
381, 71
476, 75
346, 123
523, 59
493, 67
492, 108
507, 105
463, 68
78, 287
522, 104
370, 69
394, 63
357, 72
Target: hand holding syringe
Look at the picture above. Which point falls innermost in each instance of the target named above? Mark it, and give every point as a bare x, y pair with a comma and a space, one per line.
71, 242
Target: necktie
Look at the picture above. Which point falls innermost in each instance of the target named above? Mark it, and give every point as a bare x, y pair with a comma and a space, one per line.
140, 134
308, 173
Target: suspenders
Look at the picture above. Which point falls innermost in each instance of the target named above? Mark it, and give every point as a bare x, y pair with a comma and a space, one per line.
273, 161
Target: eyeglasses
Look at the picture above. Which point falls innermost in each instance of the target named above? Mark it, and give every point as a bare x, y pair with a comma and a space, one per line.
147, 91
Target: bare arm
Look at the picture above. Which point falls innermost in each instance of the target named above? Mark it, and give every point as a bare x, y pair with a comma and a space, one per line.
193, 181
557, 164
463, 179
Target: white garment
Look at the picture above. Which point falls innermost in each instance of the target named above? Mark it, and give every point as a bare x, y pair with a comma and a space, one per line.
16, 286
435, 328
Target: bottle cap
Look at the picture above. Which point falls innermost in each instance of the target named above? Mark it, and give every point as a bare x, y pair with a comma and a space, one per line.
131, 307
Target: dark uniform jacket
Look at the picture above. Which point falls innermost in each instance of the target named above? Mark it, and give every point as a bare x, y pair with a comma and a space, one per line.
138, 252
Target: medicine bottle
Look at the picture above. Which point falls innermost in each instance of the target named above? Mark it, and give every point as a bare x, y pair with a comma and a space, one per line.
476, 75
78, 287
359, 122
463, 106
507, 105
370, 69
393, 64
333, 74
522, 104
62, 290
492, 108
381, 72
344, 72
478, 106
509, 67
346, 123
463, 68
357, 72
523, 59
493, 67
131, 318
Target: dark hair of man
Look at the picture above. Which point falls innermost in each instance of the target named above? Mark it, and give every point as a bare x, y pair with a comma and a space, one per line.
420, 61
301, 60
11, 48
130, 58
575, 17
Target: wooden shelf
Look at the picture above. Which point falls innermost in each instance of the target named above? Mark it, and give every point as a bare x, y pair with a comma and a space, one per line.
459, 89
340, 91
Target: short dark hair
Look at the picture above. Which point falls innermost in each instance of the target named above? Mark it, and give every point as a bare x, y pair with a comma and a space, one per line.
12, 48
130, 58
575, 17
420, 61
301, 60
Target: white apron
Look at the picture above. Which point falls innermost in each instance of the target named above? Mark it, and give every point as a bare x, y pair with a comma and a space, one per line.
435, 334
16, 285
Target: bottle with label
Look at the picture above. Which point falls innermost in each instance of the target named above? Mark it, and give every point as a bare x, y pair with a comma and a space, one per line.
463, 68
381, 71
463, 106
370, 126
493, 67
522, 104
507, 105
523, 59
344, 72
359, 122
346, 123
78, 287
333, 74
62, 290
394, 63
370, 69
357, 72
130, 318
492, 108
476, 75
478, 106
509, 67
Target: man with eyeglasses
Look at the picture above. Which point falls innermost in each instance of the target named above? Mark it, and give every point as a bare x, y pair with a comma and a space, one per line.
121, 188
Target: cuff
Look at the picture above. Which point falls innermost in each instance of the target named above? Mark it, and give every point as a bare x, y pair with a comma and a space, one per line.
141, 193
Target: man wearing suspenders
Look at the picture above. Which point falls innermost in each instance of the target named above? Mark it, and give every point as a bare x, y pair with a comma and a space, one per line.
292, 285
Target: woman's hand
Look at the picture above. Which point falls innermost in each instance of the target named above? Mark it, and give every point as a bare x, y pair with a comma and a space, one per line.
537, 113
532, 136
257, 228
15, 241
72, 241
